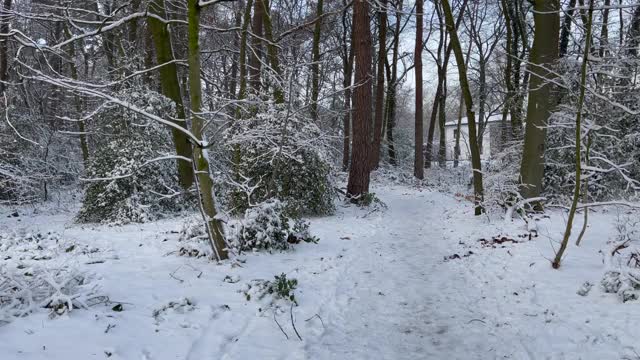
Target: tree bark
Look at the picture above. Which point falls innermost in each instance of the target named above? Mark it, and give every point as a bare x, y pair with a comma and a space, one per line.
382, 56
315, 66
566, 28
358, 184
578, 140
170, 86
392, 87
471, 121
200, 161
242, 58
544, 54
272, 51
418, 165
4, 52
255, 63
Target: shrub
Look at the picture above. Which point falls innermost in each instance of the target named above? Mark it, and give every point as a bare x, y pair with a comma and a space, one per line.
134, 184
280, 154
623, 274
280, 289
267, 227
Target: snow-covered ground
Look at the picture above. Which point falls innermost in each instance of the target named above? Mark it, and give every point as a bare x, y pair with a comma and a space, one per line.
412, 281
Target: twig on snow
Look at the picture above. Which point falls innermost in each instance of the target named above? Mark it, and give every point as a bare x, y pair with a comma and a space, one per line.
293, 323
277, 323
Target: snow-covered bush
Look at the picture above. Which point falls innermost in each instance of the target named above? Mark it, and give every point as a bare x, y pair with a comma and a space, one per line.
279, 289
193, 240
501, 179
24, 290
278, 153
267, 227
623, 274
125, 183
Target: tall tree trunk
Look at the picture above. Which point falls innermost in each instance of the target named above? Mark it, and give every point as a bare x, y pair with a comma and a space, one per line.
242, 58
236, 58
471, 121
392, 87
604, 31
566, 28
200, 161
482, 102
347, 64
544, 54
255, 61
315, 66
456, 146
4, 52
382, 56
272, 51
442, 119
170, 86
418, 165
578, 140
506, 134
358, 184
84, 146
518, 51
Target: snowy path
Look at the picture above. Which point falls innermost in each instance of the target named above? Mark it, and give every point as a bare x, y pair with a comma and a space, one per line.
387, 304
376, 287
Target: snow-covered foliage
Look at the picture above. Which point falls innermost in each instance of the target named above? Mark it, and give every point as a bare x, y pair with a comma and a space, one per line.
610, 129
279, 289
193, 240
267, 227
623, 276
501, 180
23, 291
36, 157
128, 181
278, 153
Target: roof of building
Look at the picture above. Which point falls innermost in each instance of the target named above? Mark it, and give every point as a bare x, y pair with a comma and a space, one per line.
490, 119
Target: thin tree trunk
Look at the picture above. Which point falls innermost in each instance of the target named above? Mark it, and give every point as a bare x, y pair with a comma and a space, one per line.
566, 28
392, 87
544, 54
347, 62
418, 165
604, 30
456, 147
382, 56
578, 153
506, 133
200, 161
255, 63
84, 147
242, 58
272, 51
464, 85
358, 184
315, 66
236, 58
4, 52
442, 119
171, 88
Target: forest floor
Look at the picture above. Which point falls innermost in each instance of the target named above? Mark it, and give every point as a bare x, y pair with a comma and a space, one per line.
418, 279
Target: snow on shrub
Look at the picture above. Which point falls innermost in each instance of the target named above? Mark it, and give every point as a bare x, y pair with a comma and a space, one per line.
193, 240
278, 153
28, 247
623, 274
60, 290
126, 180
279, 289
267, 227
